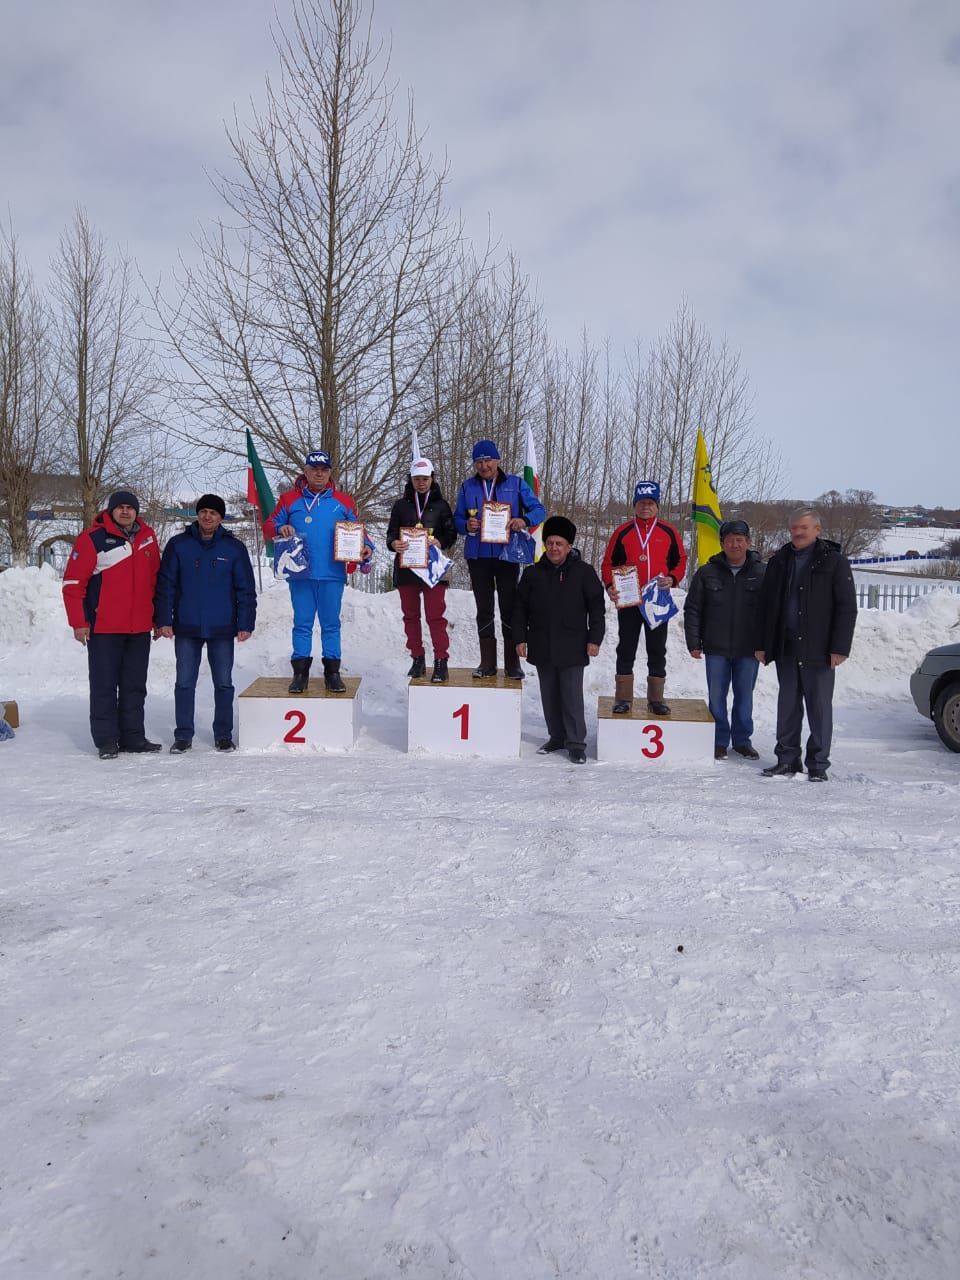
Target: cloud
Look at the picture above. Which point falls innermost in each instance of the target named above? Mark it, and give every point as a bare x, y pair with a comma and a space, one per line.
791, 170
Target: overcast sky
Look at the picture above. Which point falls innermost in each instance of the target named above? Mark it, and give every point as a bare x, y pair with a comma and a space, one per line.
792, 170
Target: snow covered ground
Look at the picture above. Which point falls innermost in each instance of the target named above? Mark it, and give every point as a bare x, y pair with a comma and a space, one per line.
897, 542
358, 1016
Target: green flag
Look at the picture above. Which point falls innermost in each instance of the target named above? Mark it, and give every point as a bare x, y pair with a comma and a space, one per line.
259, 493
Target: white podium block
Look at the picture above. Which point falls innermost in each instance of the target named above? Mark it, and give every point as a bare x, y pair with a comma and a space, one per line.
465, 717
641, 737
270, 717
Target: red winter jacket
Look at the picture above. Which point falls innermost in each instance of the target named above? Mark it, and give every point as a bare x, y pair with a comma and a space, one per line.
664, 554
109, 581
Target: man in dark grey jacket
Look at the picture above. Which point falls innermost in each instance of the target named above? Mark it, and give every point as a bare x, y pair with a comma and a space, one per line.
720, 624
808, 615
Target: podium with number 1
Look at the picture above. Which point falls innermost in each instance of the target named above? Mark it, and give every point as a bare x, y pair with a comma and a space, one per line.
465, 717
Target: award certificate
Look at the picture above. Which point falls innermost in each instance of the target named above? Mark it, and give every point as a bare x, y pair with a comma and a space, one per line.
493, 522
627, 582
417, 551
347, 540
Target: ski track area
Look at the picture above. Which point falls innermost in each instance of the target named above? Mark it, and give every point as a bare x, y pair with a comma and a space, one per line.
356, 1016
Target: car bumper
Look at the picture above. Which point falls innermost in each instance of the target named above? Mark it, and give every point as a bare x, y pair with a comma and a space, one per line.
920, 686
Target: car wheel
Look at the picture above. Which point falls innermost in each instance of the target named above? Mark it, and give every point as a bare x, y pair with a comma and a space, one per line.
946, 716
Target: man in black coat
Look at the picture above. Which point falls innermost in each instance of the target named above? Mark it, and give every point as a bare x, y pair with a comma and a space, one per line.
808, 611
558, 623
720, 623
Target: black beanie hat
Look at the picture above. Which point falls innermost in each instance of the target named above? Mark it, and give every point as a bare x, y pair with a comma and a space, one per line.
559, 527
213, 502
734, 526
123, 498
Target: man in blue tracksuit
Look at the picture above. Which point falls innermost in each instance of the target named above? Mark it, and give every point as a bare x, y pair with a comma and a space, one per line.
205, 595
311, 510
488, 572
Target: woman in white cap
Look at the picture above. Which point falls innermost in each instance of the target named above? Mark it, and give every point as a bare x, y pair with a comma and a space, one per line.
422, 506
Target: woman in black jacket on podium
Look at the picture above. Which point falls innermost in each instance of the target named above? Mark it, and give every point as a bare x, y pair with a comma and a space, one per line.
422, 506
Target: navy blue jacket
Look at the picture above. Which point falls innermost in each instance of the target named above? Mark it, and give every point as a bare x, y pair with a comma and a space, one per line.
206, 589
511, 489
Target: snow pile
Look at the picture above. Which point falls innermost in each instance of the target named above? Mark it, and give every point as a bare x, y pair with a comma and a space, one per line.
39, 656
359, 1016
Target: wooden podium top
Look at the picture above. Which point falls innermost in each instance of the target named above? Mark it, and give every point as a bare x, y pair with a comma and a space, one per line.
686, 709
276, 687
462, 678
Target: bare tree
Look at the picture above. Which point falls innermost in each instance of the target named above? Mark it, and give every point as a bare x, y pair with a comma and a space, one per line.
311, 317
26, 388
687, 383
109, 382
851, 519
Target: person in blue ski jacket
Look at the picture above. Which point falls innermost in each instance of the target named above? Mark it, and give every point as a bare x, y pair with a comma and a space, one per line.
488, 572
310, 510
205, 595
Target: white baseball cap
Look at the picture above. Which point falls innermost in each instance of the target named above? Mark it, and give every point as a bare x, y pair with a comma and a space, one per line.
422, 467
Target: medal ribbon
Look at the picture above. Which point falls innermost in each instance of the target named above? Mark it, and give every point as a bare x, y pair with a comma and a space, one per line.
416, 503
644, 543
316, 499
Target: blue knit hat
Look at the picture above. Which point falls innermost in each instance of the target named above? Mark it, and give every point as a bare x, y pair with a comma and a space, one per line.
317, 458
485, 449
123, 498
647, 489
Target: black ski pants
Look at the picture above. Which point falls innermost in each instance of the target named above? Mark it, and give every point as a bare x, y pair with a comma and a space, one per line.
630, 623
118, 687
502, 576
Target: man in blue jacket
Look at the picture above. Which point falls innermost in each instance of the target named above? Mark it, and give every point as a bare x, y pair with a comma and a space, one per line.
488, 572
312, 510
206, 595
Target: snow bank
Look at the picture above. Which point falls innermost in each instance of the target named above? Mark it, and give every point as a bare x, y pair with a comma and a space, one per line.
40, 658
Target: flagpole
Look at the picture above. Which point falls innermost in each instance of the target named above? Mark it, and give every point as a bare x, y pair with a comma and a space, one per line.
256, 537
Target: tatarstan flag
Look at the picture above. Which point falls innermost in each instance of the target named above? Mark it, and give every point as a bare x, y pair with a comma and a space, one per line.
531, 476
259, 493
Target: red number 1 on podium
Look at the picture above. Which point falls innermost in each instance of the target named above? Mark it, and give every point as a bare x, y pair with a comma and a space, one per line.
463, 715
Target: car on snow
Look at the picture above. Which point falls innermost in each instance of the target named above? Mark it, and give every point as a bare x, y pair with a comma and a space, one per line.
935, 686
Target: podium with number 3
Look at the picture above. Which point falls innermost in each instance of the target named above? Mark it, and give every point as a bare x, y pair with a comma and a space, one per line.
641, 737
465, 717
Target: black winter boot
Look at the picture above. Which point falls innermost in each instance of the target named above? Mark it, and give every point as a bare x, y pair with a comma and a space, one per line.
440, 673
418, 667
512, 667
331, 676
488, 659
301, 675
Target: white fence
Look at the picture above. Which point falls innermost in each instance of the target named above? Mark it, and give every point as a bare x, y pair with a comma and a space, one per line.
885, 596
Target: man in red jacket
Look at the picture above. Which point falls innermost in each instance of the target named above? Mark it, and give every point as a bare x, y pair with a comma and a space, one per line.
108, 593
654, 549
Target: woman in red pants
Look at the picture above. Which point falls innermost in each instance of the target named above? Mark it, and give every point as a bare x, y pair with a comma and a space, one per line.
422, 506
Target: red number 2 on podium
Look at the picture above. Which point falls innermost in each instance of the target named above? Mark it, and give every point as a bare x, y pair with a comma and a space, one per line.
293, 734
